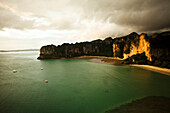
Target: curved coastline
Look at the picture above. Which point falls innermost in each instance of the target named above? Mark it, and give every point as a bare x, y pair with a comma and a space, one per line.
118, 61
153, 68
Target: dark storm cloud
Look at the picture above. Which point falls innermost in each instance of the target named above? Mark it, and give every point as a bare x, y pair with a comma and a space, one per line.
147, 16
43, 22
138, 15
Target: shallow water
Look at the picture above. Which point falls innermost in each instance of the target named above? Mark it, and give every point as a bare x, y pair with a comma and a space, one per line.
74, 86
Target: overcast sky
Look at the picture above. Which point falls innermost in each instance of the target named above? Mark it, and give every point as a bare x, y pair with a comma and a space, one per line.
33, 23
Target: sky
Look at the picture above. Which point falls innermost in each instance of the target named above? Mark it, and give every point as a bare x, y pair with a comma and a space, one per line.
28, 24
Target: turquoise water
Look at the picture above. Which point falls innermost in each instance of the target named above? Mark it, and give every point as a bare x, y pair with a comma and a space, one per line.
75, 86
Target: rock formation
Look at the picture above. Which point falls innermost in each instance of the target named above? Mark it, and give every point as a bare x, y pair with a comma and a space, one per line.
142, 46
95, 48
131, 45
155, 47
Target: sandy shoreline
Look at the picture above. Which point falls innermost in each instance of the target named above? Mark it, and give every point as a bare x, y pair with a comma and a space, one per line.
154, 68
118, 61
102, 59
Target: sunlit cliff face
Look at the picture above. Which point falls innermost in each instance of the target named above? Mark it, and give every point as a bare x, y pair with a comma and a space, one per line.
33, 23
144, 46
131, 45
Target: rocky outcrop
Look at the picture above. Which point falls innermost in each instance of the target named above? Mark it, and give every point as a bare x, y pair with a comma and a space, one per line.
156, 47
96, 48
47, 52
122, 45
134, 44
160, 45
142, 45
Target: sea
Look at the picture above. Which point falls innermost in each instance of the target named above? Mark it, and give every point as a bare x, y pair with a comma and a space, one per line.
74, 85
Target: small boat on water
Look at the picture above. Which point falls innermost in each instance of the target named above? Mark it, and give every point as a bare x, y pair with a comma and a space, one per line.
41, 68
14, 71
46, 81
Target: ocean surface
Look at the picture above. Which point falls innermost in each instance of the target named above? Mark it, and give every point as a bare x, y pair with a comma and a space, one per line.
74, 86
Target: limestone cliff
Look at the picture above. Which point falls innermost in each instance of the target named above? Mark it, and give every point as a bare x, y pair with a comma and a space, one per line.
47, 52
142, 45
96, 47
156, 48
